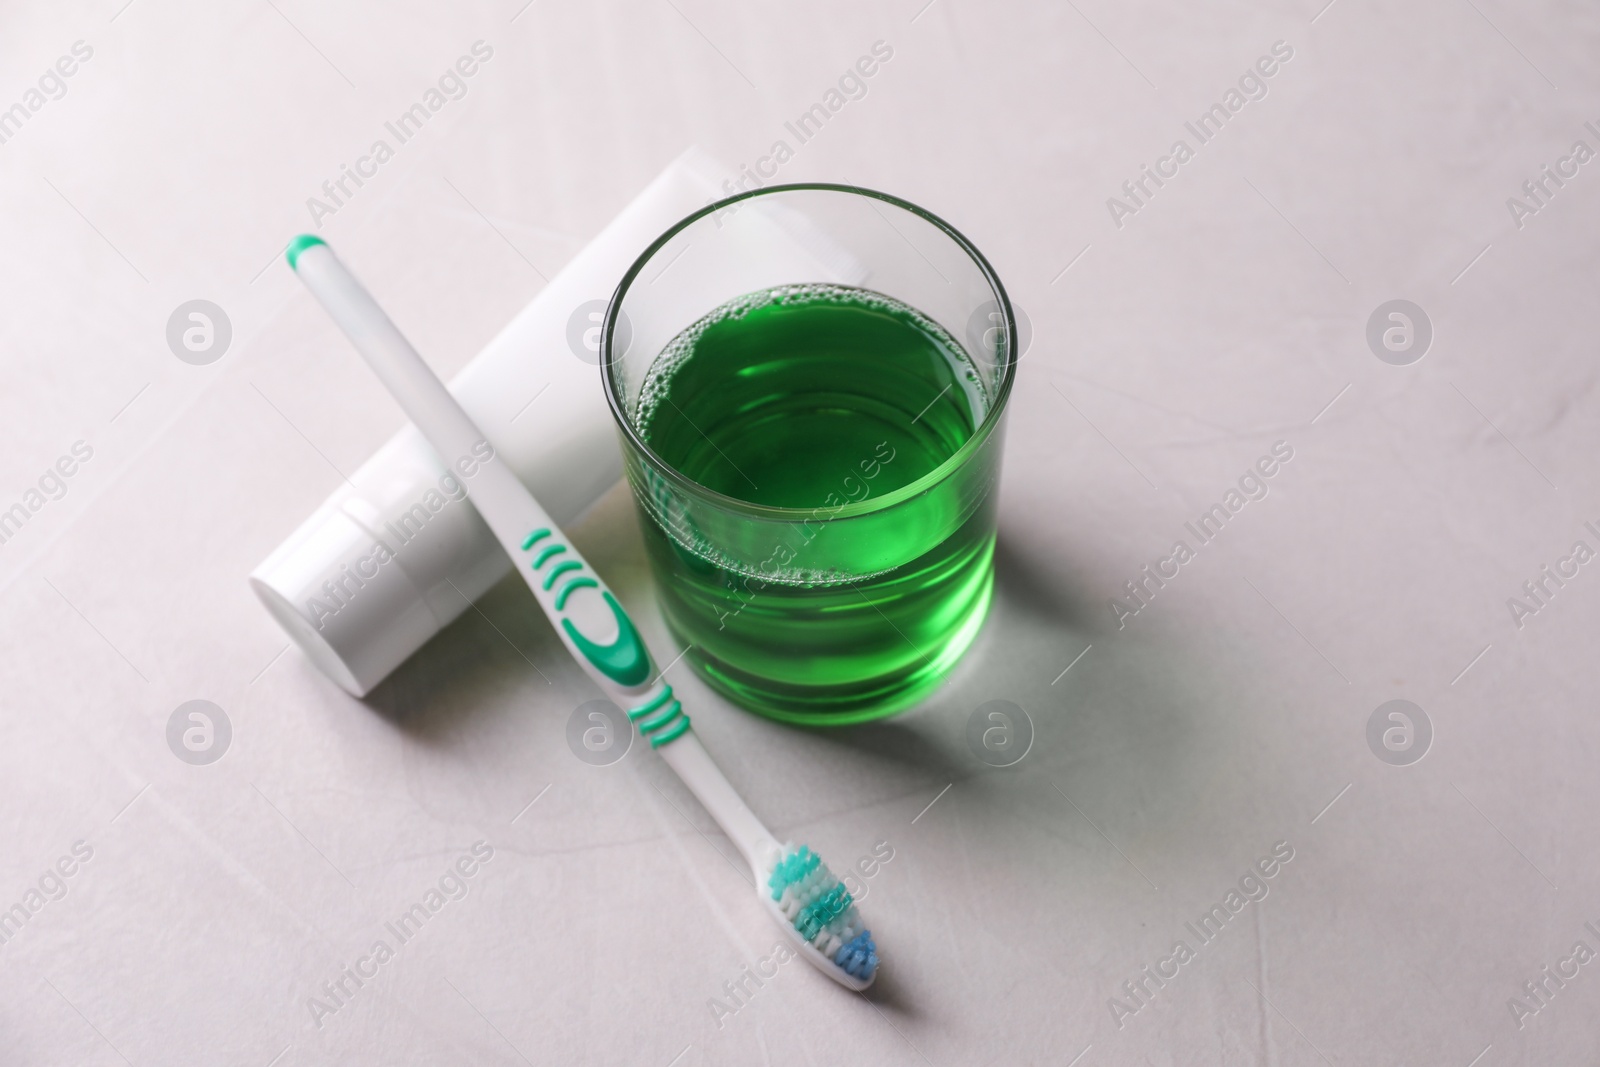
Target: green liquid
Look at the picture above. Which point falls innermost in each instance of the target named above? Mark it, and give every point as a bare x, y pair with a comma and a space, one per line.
821, 398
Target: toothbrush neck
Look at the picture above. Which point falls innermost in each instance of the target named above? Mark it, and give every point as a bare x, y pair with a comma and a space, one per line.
693, 764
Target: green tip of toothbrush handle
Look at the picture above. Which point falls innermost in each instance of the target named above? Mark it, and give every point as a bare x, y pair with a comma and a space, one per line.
300, 244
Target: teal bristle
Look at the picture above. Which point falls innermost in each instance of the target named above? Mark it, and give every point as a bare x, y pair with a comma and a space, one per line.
819, 914
792, 868
822, 911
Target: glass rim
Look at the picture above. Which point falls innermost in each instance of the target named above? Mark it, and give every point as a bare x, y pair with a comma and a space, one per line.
957, 459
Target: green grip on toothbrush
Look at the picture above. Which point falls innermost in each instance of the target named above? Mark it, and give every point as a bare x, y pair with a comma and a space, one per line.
624, 660
572, 586
549, 550
666, 720
558, 570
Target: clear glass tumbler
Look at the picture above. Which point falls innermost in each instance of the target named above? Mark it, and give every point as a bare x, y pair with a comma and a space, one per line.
810, 384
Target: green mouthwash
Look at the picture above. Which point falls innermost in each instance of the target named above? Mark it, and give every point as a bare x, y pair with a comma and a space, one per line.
839, 404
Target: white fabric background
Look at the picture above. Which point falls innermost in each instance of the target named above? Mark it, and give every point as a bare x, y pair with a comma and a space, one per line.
1224, 316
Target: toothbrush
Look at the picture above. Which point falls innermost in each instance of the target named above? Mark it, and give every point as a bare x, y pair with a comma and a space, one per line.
813, 907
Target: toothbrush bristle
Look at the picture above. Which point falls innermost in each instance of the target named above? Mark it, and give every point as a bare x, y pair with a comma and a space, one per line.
821, 910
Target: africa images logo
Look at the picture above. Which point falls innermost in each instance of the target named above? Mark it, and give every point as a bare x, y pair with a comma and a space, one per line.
1252, 85
1252, 888
452, 85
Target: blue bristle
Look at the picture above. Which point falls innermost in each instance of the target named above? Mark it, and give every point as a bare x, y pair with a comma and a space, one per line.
858, 956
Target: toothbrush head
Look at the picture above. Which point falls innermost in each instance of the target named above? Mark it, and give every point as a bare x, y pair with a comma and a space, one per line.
820, 917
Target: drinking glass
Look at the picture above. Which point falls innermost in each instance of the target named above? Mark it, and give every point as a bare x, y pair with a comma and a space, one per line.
857, 606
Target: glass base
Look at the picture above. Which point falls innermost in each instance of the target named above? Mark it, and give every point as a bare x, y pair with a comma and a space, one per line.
843, 703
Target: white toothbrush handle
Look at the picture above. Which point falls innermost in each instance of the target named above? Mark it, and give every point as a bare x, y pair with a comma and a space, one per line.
547, 561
